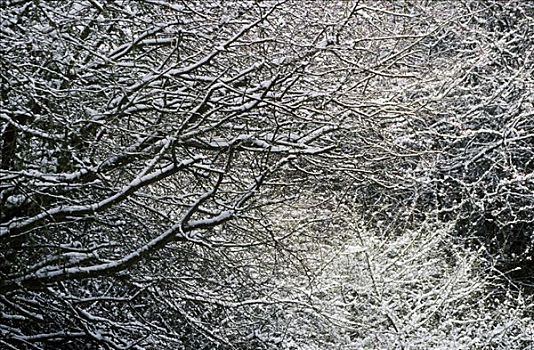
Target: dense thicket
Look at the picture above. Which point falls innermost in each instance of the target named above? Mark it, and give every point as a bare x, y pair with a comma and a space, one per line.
467, 156
277, 174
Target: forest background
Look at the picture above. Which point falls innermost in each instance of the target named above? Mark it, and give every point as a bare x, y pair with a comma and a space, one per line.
267, 174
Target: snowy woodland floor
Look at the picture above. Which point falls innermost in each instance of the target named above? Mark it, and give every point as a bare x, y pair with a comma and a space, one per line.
416, 290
